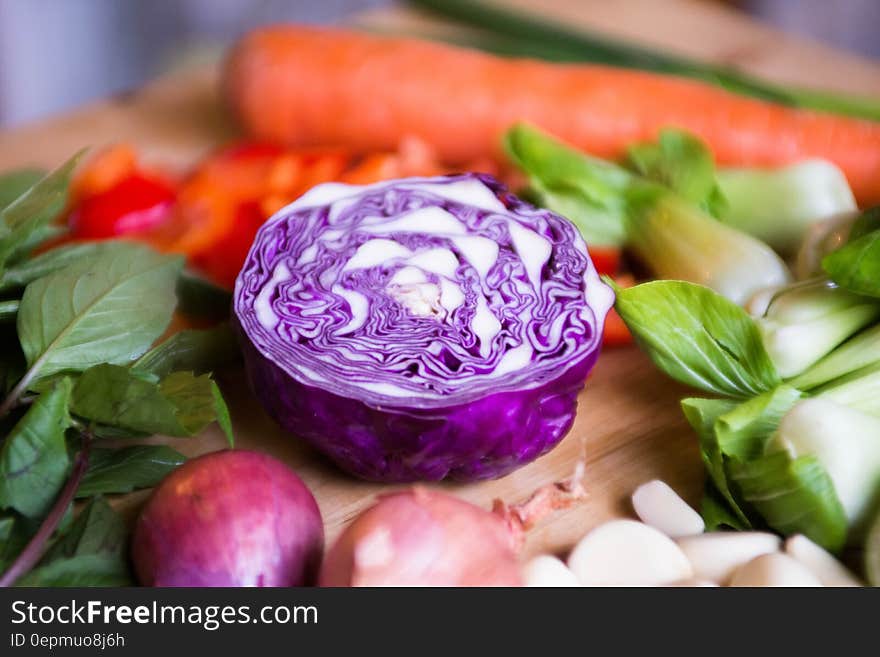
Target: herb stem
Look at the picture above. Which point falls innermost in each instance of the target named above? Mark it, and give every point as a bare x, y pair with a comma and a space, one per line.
33, 551
13, 399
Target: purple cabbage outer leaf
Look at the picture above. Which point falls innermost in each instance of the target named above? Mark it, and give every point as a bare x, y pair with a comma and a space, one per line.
421, 328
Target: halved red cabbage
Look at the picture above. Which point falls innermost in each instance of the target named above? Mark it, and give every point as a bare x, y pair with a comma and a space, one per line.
420, 328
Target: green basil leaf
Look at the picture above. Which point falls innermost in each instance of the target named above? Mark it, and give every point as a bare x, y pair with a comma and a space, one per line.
181, 404
108, 432
33, 210
199, 297
698, 337
40, 234
127, 469
198, 401
8, 310
856, 265
106, 309
793, 496
112, 395
743, 432
34, 460
15, 532
15, 183
683, 163
51, 261
86, 570
197, 351
97, 529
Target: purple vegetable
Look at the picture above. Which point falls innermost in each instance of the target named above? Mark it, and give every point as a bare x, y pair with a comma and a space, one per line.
230, 518
421, 328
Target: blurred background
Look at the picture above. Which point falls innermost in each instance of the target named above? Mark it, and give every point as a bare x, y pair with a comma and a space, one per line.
57, 54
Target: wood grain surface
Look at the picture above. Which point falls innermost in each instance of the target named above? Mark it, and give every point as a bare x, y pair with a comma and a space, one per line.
629, 427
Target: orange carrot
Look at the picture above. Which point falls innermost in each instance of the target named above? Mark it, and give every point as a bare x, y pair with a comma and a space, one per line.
304, 85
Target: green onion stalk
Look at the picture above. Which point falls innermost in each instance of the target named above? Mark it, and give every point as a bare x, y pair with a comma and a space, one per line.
511, 33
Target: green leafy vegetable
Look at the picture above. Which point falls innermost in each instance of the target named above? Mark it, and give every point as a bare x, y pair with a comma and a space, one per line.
589, 192
127, 469
51, 261
780, 205
794, 496
199, 402
80, 571
8, 310
717, 514
611, 206
702, 415
75, 368
16, 183
32, 211
179, 405
855, 354
33, 459
15, 531
107, 309
806, 321
856, 266
683, 163
859, 391
866, 222
197, 351
698, 337
743, 432
97, 530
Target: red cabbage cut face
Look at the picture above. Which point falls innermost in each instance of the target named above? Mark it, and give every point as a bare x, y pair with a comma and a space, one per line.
420, 328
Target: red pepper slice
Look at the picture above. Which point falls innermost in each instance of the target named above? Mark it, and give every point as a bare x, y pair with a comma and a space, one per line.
135, 204
606, 259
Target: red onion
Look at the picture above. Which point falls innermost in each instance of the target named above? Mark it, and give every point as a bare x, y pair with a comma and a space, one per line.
420, 537
230, 518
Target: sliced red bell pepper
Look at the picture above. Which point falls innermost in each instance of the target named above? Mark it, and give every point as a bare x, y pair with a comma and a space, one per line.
606, 259
615, 332
135, 204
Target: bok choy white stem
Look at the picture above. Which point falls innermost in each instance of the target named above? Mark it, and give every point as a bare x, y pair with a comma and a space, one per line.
778, 206
804, 322
846, 443
860, 352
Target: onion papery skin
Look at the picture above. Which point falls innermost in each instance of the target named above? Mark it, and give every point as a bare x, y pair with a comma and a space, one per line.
411, 387
229, 518
422, 537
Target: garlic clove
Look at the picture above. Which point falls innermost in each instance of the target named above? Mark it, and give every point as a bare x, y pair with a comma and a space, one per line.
657, 505
715, 556
628, 553
548, 571
694, 583
820, 562
774, 569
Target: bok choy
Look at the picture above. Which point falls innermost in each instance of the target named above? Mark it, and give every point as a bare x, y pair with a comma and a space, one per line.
794, 442
778, 206
671, 234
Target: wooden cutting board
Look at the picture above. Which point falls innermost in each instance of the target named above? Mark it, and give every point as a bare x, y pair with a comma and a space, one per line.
629, 428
